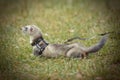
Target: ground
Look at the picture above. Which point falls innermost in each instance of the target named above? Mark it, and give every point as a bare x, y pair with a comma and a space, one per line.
59, 21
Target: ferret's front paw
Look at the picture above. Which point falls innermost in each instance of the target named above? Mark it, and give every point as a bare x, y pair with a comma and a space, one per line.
36, 53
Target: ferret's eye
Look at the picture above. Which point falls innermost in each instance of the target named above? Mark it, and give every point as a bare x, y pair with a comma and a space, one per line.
26, 28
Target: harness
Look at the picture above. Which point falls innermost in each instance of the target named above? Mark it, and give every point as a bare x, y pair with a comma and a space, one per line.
41, 47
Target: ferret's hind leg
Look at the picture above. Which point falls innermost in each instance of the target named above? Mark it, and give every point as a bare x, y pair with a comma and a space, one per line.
73, 53
84, 55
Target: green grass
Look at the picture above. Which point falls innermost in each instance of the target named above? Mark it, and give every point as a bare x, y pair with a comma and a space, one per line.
58, 20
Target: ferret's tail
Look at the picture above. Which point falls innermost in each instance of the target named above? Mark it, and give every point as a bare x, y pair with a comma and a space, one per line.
97, 46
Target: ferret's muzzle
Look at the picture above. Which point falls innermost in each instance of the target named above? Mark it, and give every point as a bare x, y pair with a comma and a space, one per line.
24, 29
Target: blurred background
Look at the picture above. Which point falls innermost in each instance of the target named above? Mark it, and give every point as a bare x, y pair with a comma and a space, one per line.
59, 20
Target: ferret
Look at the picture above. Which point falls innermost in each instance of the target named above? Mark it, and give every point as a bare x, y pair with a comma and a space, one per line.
43, 48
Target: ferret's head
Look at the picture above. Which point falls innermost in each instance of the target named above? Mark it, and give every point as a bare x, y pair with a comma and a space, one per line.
32, 30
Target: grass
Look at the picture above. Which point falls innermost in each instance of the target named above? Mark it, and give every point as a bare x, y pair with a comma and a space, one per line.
58, 20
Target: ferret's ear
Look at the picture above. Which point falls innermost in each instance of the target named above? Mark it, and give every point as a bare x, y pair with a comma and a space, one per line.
31, 29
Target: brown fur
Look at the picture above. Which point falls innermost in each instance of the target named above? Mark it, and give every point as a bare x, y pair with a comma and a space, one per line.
69, 50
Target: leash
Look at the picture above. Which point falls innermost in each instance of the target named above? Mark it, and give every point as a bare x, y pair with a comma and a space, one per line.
79, 38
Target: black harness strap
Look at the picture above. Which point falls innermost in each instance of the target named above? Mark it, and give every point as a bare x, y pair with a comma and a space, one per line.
40, 47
